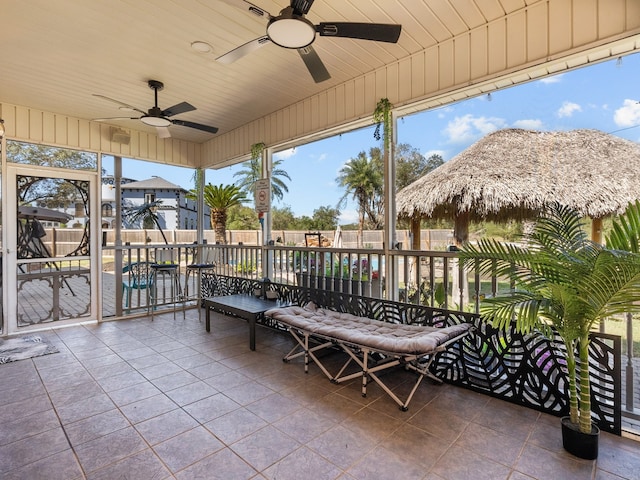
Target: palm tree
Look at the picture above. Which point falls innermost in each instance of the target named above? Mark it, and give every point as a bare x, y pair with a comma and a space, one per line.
563, 282
219, 198
145, 214
362, 178
252, 171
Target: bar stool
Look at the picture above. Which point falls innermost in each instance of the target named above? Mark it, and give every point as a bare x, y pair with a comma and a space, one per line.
198, 267
165, 266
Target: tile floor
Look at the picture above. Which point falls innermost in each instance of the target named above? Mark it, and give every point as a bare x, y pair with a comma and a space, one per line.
140, 400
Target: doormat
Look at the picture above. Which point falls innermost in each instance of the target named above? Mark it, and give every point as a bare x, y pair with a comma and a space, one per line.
21, 348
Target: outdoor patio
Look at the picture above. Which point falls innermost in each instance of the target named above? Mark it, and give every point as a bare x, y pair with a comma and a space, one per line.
137, 399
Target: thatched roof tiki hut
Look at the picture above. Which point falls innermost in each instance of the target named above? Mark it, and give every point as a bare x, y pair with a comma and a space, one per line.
511, 173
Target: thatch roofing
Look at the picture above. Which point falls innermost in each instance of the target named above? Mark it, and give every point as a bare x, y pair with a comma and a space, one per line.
512, 173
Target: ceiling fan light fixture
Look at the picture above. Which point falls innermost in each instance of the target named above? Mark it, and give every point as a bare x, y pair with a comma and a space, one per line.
155, 121
291, 31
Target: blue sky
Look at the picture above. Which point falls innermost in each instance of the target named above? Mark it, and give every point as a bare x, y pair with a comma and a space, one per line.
603, 96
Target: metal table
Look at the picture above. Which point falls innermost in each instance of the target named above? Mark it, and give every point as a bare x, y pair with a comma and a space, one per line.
245, 306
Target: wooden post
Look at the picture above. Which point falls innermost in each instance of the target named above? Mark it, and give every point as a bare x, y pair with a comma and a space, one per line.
415, 232
461, 229
596, 230
54, 242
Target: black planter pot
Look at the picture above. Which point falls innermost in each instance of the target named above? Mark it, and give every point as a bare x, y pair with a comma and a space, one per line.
582, 445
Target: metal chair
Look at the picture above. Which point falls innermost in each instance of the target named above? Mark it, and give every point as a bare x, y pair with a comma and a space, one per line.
202, 263
166, 266
139, 277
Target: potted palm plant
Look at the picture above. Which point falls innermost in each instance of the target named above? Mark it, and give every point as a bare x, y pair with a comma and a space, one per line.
564, 283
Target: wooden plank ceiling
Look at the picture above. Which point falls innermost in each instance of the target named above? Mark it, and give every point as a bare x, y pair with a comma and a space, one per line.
56, 55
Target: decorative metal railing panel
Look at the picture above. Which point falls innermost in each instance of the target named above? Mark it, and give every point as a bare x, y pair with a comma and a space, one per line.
526, 370
52, 290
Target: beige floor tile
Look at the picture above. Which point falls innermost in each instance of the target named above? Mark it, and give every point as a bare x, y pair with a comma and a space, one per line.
109, 449
304, 425
342, 446
187, 448
461, 464
31, 449
212, 408
191, 393
415, 444
264, 447
443, 423
59, 466
165, 426
302, 463
143, 465
381, 464
22, 427
148, 408
235, 425
489, 443
274, 407
222, 465
96, 426
542, 464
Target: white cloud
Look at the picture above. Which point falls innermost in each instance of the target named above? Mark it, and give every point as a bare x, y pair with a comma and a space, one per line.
567, 109
628, 115
469, 128
528, 123
284, 154
429, 153
552, 79
348, 217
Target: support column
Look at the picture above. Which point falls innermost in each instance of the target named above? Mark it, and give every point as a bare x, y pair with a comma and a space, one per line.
461, 229
267, 264
596, 230
117, 227
415, 233
200, 181
390, 237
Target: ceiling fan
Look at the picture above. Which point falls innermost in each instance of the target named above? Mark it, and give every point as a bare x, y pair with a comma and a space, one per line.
290, 29
155, 117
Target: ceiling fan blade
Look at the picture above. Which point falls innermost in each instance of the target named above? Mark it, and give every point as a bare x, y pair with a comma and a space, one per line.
122, 104
113, 118
379, 32
178, 108
301, 7
239, 52
244, 5
197, 126
315, 66
163, 132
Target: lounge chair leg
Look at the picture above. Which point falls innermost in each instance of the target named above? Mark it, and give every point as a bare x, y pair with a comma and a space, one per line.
365, 372
306, 353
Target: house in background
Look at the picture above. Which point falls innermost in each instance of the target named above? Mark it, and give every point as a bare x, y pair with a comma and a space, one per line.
108, 206
176, 212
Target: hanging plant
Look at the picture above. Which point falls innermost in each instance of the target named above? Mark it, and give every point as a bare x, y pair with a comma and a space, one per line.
382, 117
256, 150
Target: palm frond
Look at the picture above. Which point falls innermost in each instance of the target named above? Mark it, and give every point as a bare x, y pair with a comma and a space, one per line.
625, 231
